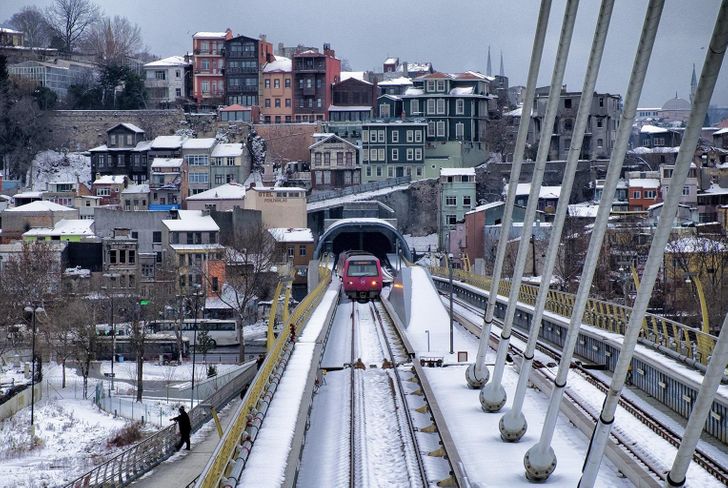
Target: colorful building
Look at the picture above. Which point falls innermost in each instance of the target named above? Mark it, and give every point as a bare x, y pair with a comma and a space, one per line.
457, 196
334, 163
243, 57
313, 75
393, 149
208, 87
280, 206
277, 92
295, 246
167, 183
125, 153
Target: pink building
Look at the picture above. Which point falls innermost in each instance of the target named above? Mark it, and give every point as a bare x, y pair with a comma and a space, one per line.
208, 80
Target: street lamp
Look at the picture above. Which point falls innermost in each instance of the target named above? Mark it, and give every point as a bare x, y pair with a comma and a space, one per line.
197, 295
33, 309
112, 277
428, 340
449, 273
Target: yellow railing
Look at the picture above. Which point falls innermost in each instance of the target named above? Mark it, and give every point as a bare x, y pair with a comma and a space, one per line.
212, 476
612, 317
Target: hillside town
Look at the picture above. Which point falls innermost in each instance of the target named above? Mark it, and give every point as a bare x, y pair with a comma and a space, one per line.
139, 192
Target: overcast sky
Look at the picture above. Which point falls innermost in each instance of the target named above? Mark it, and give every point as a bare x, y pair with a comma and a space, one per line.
452, 34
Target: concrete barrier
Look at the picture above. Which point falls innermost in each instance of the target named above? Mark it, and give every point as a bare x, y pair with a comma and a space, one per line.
20, 401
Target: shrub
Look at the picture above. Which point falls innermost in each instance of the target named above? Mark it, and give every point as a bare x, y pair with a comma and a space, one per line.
128, 434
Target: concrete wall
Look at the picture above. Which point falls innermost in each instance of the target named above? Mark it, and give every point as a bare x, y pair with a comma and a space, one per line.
79, 130
415, 207
145, 223
20, 401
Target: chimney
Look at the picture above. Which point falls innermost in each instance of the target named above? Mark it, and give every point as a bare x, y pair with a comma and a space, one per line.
404, 68
328, 51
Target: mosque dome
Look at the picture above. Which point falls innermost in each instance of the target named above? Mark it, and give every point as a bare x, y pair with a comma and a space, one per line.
676, 104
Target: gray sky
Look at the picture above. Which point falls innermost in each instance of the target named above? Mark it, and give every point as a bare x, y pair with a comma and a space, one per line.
453, 34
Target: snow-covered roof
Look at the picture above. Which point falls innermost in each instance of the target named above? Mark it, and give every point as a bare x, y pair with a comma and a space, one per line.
584, 210
64, 227
357, 75
644, 183
191, 220
9, 31
228, 191
721, 131
167, 163
167, 62
40, 206
29, 194
695, 244
203, 34
391, 61
485, 206
655, 150
652, 129
281, 64
199, 143
110, 180
716, 189
195, 247
517, 112
227, 150
143, 188
401, 81
127, 125
168, 142
278, 188
457, 172
411, 91
349, 108
291, 234
322, 140
545, 191
462, 90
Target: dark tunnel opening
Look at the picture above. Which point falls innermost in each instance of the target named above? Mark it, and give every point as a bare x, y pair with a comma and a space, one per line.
376, 243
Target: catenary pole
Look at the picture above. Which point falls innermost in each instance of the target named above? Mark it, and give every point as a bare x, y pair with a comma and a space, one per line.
701, 99
513, 424
493, 395
477, 374
540, 459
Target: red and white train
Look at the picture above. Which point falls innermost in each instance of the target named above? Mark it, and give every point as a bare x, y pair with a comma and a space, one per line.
361, 275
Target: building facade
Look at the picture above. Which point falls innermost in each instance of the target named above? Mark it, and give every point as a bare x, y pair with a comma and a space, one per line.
125, 153
243, 57
167, 81
457, 197
279, 206
334, 163
208, 79
277, 92
393, 149
227, 164
197, 154
313, 75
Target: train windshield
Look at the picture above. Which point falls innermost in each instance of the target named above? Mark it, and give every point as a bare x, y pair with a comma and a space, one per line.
363, 268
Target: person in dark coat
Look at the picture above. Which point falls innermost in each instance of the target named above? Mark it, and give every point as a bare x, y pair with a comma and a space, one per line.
185, 428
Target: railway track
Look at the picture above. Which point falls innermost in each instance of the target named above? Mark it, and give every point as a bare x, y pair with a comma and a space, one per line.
374, 393
700, 457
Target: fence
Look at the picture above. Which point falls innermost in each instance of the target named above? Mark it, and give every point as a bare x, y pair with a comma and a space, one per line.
680, 338
364, 187
215, 469
136, 461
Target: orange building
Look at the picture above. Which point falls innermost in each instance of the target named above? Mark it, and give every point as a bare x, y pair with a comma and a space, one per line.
643, 192
208, 80
276, 100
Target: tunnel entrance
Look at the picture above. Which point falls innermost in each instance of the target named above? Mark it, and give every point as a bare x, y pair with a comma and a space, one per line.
373, 242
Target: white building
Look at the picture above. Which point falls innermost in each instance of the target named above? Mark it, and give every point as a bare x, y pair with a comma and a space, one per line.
165, 80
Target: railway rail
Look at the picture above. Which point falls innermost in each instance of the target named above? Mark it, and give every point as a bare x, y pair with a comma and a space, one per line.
362, 397
700, 457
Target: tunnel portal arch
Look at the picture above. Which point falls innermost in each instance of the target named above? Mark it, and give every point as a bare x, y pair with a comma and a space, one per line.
369, 234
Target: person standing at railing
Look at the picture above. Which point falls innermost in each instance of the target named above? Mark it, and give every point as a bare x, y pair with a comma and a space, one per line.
185, 428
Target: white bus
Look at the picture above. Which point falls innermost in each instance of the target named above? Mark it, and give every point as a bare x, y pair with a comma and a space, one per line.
220, 332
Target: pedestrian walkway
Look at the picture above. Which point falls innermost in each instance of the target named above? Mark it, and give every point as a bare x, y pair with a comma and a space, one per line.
184, 466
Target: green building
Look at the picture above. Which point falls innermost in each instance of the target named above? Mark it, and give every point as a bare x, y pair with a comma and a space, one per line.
457, 197
393, 149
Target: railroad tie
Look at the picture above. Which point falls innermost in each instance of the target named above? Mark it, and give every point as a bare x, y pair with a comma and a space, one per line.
429, 429
439, 452
449, 481
423, 409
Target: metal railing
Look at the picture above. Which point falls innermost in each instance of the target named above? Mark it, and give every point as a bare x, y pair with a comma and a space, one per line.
134, 462
364, 187
218, 467
682, 339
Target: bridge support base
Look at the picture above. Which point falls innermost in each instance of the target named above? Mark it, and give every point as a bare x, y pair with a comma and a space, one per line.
492, 397
476, 377
513, 426
539, 463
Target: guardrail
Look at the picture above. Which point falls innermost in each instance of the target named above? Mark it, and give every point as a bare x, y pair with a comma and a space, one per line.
364, 187
219, 465
131, 464
682, 339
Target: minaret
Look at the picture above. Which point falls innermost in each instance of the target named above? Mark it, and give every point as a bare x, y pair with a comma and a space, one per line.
489, 70
693, 84
502, 71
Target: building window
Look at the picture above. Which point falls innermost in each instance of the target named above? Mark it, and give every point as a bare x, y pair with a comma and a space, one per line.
451, 201
267, 103
466, 201
567, 103
288, 102
459, 106
652, 194
277, 83
278, 103
441, 106
441, 85
317, 158
287, 82
395, 136
381, 154
219, 179
431, 106
339, 158
349, 158
600, 122
686, 191
418, 154
459, 130
451, 219
384, 110
414, 107
365, 155
410, 136
395, 154
327, 159
431, 129
379, 171
637, 195
419, 171
440, 128
430, 85
369, 171
178, 92
418, 136
301, 250
410, 154
365, 135
267, 83
390, 172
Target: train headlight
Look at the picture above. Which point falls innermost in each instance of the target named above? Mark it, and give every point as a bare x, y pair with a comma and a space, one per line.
351, 282
374, 283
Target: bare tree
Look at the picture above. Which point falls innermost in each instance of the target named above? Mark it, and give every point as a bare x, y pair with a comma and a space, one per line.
249, 273
570, 258
32, 23
85, 340
66, 317
113, 40
71, 19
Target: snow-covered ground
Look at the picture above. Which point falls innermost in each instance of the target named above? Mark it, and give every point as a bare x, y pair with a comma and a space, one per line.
422, 243
53, 167
355, 197
158, 372
72, 437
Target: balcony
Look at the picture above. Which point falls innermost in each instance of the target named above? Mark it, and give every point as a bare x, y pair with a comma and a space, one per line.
208, 72
155, 83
